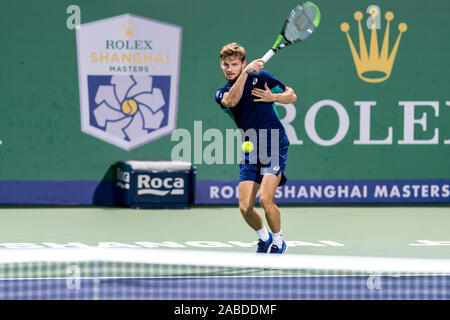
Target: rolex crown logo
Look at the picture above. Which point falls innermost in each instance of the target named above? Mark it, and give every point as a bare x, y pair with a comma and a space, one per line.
374, 66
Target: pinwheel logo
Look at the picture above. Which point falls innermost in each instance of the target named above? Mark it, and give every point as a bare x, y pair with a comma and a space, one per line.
128, 73
129, 107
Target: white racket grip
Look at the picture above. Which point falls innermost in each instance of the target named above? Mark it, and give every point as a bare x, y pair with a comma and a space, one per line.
269, 54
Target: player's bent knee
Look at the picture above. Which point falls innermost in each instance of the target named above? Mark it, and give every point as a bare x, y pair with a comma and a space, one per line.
245, 208
266, 201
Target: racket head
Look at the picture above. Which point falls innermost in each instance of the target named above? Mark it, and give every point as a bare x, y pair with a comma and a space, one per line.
301, 23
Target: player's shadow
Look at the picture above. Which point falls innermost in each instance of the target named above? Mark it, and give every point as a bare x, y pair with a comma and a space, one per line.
104, 194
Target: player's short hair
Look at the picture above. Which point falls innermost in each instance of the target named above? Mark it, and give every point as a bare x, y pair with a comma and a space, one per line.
233, 50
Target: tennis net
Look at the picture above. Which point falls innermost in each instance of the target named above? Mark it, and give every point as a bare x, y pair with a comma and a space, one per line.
146, 274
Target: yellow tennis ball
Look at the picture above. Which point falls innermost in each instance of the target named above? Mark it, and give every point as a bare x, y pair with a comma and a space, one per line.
247, 146
129, 107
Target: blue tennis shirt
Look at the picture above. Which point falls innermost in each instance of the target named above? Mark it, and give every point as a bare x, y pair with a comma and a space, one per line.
248, 114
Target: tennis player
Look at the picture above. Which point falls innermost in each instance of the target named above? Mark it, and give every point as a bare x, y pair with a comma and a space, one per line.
249, 98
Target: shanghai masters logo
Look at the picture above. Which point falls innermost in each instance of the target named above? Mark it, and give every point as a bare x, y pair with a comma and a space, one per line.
374, 66
128, 74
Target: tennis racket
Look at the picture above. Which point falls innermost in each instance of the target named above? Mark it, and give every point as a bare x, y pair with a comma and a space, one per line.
300, 24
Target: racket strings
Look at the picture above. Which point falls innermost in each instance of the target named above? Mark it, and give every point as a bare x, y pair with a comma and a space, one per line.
300, 24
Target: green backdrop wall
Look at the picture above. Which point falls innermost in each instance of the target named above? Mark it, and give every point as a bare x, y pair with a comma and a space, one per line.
40, 126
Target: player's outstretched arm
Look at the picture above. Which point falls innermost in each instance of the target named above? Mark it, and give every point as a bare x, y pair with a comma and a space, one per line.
232, 97
265, 95
288, 96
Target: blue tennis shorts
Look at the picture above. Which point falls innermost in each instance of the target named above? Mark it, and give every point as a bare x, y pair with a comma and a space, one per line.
274, 163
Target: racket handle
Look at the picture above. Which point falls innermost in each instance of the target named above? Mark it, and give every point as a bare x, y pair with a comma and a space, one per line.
269, 54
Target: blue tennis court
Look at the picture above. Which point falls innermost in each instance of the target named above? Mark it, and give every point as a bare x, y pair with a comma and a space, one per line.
333, 233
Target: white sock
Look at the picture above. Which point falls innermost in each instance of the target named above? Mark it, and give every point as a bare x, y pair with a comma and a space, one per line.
277, 239
263, 234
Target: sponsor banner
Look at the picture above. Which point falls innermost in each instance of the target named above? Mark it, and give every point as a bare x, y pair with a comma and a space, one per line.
334, 191
65, 192
128, 74
226, 192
